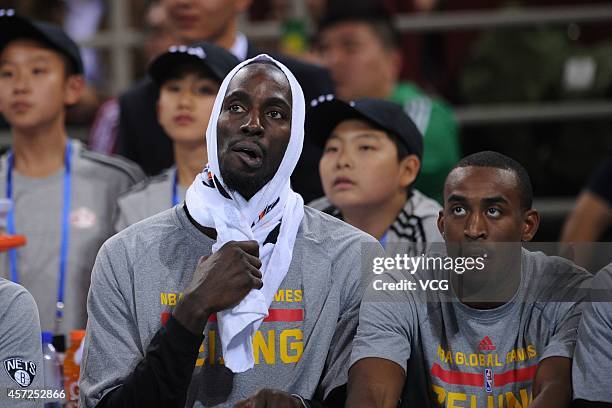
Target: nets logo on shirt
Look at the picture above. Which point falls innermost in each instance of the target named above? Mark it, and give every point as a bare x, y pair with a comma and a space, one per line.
20, 371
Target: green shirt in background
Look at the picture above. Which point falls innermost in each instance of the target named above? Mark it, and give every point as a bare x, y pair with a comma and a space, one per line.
436, 122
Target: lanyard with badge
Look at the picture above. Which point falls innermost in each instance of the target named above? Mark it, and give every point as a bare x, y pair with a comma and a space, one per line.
383, 239
175, 199
14, 271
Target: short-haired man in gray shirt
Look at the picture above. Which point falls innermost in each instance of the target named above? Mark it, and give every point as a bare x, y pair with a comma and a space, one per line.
20, 346
270, 313
503, 335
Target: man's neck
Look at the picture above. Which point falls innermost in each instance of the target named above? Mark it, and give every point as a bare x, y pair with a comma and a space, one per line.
190, 160
227, 38
496, 293
375, 220
387, 90
39, 152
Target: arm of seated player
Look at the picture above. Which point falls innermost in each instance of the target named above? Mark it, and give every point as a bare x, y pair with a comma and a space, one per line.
335, 399
279, 399
115, 370
162, 376
588, 220
552, 385
381, 348
375, 383
593, 211
586, 223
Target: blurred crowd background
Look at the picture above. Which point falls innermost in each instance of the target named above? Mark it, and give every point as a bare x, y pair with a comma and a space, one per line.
531, 79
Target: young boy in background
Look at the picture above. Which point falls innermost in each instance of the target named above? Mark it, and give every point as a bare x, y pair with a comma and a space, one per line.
188, 80
63, 195
372, 156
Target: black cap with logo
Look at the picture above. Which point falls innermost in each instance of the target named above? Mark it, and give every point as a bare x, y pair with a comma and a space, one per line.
326, 113
14, 27
213, 58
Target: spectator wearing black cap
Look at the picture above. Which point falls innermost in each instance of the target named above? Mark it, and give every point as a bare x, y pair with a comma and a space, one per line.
63, 196
359, 44
157, 38
188, 78
140, 138
371, 158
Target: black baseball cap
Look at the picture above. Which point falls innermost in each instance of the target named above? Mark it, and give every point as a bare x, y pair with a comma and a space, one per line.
327, 112
14, 26
212, 57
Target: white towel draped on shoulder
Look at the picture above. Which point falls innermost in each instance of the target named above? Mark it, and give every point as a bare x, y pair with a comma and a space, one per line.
213, 205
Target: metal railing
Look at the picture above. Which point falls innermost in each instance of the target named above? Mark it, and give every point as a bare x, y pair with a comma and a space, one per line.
470, 20
542, 112
505, 18
120, 39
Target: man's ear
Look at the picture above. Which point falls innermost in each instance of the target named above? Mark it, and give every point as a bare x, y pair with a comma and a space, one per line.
440, 222
75, 86
409, 169
531, 222
395, 62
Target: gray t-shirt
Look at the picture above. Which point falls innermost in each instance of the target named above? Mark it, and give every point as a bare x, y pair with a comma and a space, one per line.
97, 182
415, 225
303, 346
593, 356
20, 344
454, 355
148, 198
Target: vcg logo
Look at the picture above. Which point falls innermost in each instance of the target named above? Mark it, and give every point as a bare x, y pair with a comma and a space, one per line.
20, 371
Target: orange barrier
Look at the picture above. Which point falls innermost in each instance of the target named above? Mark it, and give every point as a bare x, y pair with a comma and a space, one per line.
11, 241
